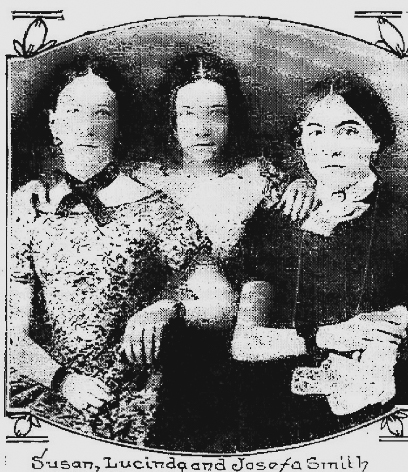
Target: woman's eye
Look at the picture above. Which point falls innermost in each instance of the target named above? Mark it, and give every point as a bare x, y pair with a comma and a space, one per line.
315, 132
348, 131
185, 113
103, 112
218, 114
72, 110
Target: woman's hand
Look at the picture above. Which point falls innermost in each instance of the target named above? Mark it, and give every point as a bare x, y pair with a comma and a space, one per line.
368, 377
141, 341
298, 199
84, 392
351, 384
362, 330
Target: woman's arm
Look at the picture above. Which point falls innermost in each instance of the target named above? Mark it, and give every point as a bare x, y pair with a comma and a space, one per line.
361, 331
29, 359
204, 298
26, 356
257, 343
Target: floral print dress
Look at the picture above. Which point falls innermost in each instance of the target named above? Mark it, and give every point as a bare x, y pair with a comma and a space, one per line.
87, 281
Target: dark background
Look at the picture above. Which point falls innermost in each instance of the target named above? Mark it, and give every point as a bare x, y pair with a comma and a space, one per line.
277, 62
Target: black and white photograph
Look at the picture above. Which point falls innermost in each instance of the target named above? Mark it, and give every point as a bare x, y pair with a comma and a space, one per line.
207, 237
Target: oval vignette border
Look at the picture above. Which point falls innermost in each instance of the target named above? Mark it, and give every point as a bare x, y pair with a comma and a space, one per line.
51, 47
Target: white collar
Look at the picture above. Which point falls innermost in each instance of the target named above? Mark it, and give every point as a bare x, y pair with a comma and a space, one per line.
339, 207
122, 190
355, 193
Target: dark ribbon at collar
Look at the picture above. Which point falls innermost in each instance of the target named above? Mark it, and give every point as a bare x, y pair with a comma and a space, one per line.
85, 192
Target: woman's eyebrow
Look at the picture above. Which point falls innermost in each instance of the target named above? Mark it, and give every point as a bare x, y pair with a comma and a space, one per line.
348, 122
315, 124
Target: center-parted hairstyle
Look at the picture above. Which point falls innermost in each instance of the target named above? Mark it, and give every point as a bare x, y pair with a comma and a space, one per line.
359, 95
35, 154
188, 68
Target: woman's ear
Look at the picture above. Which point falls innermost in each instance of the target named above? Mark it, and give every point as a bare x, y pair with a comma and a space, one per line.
174, 134
377, 141
297, 137
298, 144
51, 120
375, 150
53, 125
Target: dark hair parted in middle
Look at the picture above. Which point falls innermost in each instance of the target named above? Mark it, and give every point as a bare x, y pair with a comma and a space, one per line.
359, 95
34, 153
191, 67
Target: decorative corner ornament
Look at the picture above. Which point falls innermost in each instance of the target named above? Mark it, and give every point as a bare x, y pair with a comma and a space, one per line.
24, 424
391, 38
35, 39
394, 422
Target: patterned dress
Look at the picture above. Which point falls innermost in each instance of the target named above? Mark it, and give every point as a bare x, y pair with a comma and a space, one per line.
87, 281
219, 204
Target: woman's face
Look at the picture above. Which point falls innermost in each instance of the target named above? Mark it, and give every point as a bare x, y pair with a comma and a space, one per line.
85, 124
202, 120
337, 143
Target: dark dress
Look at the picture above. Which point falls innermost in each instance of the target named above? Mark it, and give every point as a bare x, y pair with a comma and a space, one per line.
196, 404
317, 280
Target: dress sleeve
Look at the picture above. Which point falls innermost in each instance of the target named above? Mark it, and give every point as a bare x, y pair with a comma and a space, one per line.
276, 182
390, 257
179, 238
242, 263
22, 218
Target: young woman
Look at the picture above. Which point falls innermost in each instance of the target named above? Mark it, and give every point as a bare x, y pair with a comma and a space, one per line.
205, 169
205, 102
102, 248
330, 340
206, 163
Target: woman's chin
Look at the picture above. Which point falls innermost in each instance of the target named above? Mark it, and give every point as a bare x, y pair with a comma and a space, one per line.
200, 155
86, 160
333, 178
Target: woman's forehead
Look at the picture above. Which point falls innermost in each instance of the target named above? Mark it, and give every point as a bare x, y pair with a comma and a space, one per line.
203, 92
332, 110
86, 90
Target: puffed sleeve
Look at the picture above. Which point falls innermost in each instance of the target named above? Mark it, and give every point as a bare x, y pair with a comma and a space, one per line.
178, 236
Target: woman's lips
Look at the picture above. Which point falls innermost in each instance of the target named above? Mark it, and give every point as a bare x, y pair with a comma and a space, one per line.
202, 144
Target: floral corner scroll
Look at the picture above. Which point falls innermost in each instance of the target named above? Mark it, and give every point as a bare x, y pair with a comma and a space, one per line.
35, 38
391, 38
23, 426
397, 425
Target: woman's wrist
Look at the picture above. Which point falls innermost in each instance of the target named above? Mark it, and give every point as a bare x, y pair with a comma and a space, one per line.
59, 378
256, 343
323, 335
199, 311
309, 335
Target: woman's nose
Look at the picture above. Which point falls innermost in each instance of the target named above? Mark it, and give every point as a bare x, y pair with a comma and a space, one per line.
87, 127
202, 127
331, 146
